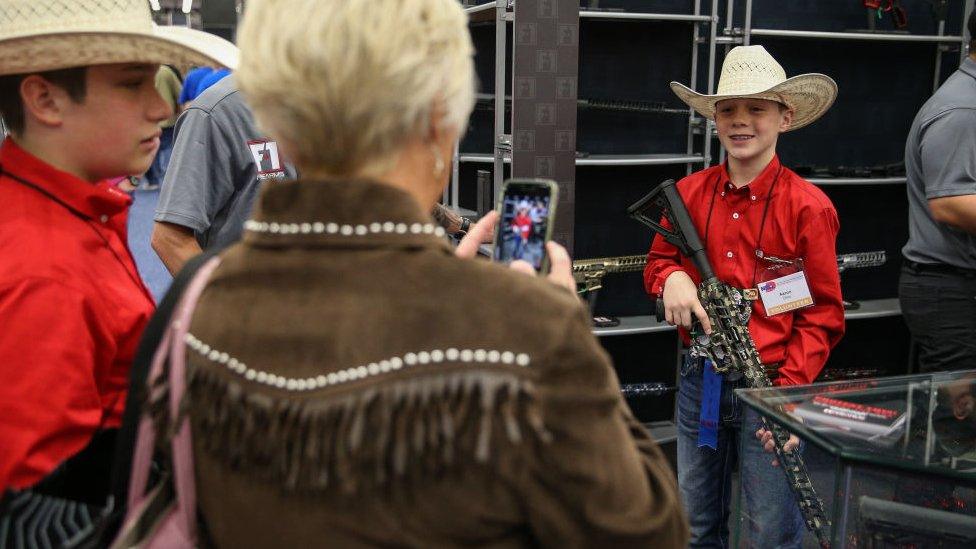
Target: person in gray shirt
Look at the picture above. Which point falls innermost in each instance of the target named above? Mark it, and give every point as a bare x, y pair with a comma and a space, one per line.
938, 279
220, 160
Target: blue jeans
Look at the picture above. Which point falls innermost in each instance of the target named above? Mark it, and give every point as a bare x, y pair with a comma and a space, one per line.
705, 475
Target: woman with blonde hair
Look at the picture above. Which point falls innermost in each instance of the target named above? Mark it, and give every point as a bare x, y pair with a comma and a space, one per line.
351, 381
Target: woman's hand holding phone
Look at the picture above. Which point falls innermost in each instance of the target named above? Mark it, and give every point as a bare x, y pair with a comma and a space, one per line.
560, 264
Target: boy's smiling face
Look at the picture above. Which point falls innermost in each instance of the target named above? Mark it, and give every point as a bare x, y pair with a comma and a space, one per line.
115, 129
748, 128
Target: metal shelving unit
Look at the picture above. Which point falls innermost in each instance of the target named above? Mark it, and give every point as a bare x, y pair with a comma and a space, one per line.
857, 180
645, 324
630, 325
636, 16
875, 308
663, 431
743, 35
604, 159
503, 142
879, 36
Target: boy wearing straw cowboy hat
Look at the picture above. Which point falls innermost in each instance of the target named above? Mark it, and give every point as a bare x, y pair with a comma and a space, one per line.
77, 94
759, 221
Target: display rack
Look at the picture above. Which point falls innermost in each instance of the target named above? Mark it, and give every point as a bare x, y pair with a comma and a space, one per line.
604, 159
502, 140
710, 28
743, 31
645, 324
743, 35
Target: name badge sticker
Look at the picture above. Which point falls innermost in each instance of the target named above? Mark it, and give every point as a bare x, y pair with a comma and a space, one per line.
786, 293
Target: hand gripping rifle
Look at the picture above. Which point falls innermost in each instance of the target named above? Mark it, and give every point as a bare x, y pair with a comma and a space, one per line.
730, 346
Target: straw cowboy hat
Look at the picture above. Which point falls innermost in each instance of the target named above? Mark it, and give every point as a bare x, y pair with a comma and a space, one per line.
749, 71
42, 35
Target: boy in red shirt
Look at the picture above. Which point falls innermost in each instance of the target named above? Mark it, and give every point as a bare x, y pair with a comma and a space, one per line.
522, 227
77, 92
758, 221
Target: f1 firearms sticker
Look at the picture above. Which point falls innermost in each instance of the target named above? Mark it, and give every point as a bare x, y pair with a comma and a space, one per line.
267, 159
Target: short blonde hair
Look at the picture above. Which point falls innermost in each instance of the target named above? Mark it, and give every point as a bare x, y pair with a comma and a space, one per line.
344, 83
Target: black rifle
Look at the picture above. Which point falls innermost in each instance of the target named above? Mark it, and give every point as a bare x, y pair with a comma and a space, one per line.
589, 273
896, 169
843, 374
486, 100
859, 261
639, 390
730, 345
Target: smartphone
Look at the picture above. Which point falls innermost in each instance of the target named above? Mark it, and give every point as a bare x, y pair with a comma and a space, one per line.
526, 210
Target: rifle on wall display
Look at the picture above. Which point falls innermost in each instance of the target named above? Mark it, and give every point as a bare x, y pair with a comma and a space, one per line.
859, 261
589, 273
643, 390
730, 346
486, 101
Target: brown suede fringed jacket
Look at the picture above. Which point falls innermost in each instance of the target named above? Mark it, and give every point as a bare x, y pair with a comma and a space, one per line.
353, 384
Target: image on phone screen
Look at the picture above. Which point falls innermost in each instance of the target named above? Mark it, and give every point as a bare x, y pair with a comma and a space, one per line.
523, 225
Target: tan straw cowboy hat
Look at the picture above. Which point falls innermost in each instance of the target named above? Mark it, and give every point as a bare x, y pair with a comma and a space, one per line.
749, 71
42, 35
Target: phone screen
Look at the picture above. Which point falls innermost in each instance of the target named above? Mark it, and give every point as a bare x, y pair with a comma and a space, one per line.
523, 224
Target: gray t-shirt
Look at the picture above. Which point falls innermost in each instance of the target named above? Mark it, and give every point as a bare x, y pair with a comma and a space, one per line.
940, 161
219, 163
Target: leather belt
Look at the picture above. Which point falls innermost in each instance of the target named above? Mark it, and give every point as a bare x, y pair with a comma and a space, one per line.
939, 268
771, 371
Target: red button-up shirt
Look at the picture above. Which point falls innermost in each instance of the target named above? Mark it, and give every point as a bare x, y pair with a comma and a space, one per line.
801, 223
72, 309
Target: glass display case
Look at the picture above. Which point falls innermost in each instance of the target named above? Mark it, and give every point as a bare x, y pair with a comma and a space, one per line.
893, 459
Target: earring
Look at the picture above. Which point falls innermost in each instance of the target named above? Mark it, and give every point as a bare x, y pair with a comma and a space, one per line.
438, 162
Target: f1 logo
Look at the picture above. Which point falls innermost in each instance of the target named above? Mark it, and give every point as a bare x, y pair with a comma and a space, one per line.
266, 158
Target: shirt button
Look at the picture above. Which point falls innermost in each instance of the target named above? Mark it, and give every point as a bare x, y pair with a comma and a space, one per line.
753, 197
728, 254
104, 218
735, 215
723, 193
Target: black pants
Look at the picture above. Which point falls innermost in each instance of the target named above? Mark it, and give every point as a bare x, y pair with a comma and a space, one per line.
940, 310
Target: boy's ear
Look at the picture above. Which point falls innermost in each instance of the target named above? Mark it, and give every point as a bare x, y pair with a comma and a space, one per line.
43, 101
787, 121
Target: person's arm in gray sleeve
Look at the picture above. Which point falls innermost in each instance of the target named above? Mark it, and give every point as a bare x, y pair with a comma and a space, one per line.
948, 152
198, 183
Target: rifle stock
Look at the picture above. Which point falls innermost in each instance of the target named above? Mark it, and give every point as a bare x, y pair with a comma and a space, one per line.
681, 233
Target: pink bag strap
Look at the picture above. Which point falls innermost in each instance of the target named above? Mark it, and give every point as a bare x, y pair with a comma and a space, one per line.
186, 494
172, 347
146, 437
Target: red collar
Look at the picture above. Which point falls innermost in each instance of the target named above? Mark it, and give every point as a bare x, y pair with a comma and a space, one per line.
91, 200
758, 187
